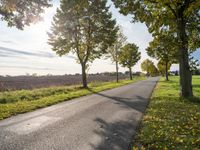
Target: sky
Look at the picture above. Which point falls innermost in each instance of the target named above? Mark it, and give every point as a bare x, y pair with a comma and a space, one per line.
27, 51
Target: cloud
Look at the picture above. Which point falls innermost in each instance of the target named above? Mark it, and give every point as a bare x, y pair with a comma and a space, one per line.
4, 55
9, 52
8, 42
26, 67
15, 52
26, 52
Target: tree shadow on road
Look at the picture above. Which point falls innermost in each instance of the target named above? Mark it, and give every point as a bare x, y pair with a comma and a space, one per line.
138, 103
119, 134
115, 135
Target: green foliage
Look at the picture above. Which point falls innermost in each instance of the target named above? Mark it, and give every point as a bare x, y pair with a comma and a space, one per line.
22, 12
146, 64
178, 17
171, 122
15, 102
162, 15
129, 55
164, 47
194, 64
162, 67
114, 50
149, 67
83, 27
153, 71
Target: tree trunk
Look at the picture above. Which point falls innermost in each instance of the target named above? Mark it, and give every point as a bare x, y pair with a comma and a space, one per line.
84, 76
185, 74
117, 73
130, 73
166, 71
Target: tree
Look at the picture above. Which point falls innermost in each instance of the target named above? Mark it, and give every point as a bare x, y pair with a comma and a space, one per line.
180, 16
164, 48
147, 66
22, 12
85, 28
194, 64
129, 56
163, 68
153, 71
114, 50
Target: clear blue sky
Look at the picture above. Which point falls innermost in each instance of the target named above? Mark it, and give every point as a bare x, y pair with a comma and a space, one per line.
27, 51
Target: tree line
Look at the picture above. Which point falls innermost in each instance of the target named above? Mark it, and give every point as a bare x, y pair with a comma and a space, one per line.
86, 28
175, 27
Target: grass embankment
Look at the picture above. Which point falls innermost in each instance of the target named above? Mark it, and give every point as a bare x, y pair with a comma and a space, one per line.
171, 122
15, 102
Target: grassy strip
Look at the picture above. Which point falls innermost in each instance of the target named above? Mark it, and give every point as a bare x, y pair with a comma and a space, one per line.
12, 103
171, 122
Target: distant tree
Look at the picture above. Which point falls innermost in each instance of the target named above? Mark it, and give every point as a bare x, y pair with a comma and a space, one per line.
194, 64
163, 68
147, 66
164, 48
114, 50
22, 12
34, 75
127, 72
129, 56
153, 71
85, 28
180, 16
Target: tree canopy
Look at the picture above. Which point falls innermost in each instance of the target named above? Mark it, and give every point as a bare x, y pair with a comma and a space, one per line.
165, 49
22, 12
83, 27
163, 68
161, 15
114, 50
148, 66
129, 56
182, 17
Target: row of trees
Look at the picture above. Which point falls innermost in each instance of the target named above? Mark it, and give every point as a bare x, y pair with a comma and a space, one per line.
151, 70
82, 27
175, 27
86, 29
123, 53
149, 67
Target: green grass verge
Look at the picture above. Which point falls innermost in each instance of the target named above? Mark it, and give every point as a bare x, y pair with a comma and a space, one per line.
171, 122
15, 102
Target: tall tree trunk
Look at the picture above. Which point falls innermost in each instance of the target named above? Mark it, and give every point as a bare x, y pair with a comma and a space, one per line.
130, 73
84, 76
117, 71
166, 71
185, 74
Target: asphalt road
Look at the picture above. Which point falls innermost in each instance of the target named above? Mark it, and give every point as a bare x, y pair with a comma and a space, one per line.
101, 121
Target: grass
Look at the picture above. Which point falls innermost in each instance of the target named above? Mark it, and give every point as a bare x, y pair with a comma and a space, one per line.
171, 122
16, 102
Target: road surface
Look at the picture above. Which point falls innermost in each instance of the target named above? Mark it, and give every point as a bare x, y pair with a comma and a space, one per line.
101, 121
